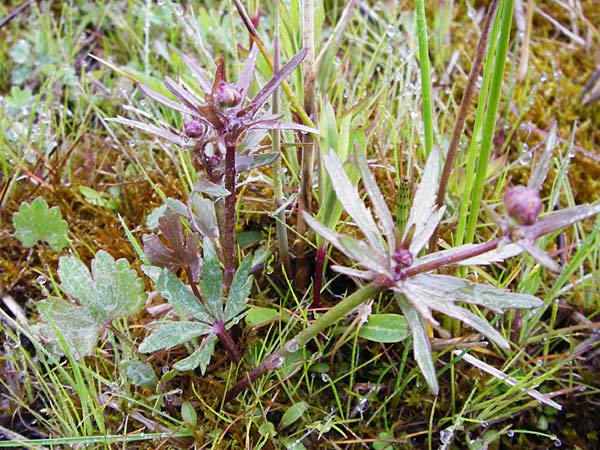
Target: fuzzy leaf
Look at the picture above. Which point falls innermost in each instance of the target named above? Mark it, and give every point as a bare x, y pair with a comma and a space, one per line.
421, 344
461, 290
112, 289
239, 290
244, 163
379, 204
196, 70
203, 217
152, 129
245, 78
424, 201
212, 281
171, 288
37, 222
181, 250
349, 198
200, 357
385, 328
79, 331
560, 219
140, 374
171, 334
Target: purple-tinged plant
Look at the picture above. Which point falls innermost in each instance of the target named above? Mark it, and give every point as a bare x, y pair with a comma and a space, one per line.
393, 263
214, 126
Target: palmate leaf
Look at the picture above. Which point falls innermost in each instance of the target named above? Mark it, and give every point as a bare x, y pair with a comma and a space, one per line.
37, 222
111, 290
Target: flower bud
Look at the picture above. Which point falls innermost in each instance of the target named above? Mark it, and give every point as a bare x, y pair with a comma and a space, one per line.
403, 257
227, 95
194, 129
523, 204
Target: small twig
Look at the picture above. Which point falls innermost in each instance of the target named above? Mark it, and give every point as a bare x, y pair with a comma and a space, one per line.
15, 12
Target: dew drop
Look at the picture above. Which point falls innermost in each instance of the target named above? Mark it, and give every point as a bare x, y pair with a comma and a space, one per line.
510, 433
291, 346
485, 424
325, 377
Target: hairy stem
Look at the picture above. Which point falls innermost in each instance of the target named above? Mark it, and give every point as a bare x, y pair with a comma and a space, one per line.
275, 361
229, 247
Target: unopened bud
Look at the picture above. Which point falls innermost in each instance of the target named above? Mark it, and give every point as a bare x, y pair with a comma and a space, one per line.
523, 204
403, 257
227, 95
194, 129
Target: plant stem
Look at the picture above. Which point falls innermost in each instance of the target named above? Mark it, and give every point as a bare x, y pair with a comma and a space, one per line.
227, 341
425, 76
462, 112
229, 241
275, 360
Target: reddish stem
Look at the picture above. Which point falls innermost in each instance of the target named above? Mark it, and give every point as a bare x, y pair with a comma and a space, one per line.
229, 247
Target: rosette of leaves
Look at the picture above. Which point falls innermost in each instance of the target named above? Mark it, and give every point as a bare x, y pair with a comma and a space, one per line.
207, 317
393, 262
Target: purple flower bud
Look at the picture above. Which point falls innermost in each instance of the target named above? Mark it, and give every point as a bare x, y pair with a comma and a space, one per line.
227, 95
523, 204
194, 129
403, 258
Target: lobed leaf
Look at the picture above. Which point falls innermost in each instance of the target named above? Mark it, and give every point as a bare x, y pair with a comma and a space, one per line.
171, 334
112, 289
77, 328
171, 288
37, 222
200, 357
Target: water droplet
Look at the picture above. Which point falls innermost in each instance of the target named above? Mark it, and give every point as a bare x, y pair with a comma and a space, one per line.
291, 346
41, 279
446, 435
363, 405
325, 377
543, 77
510, 433
557, 443
484, 424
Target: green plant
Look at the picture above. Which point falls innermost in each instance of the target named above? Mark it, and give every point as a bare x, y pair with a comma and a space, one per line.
391, 262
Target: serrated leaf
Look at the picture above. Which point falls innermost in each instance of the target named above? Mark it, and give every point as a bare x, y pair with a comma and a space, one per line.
212, 281
385, 328
140, 373
292, 414
257, 316
177, 293
79, 331
421, 344
239, 290
171, 334
37, 222
200, 357
112, 289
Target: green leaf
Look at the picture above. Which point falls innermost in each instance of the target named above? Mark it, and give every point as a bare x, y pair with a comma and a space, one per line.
239, 290
140, 373
78, 330
257, 316
36, 222
200, 357
212, 281
421, 344
188, 414
112, 289
292, 414
171, 334
385, 328
171, 288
